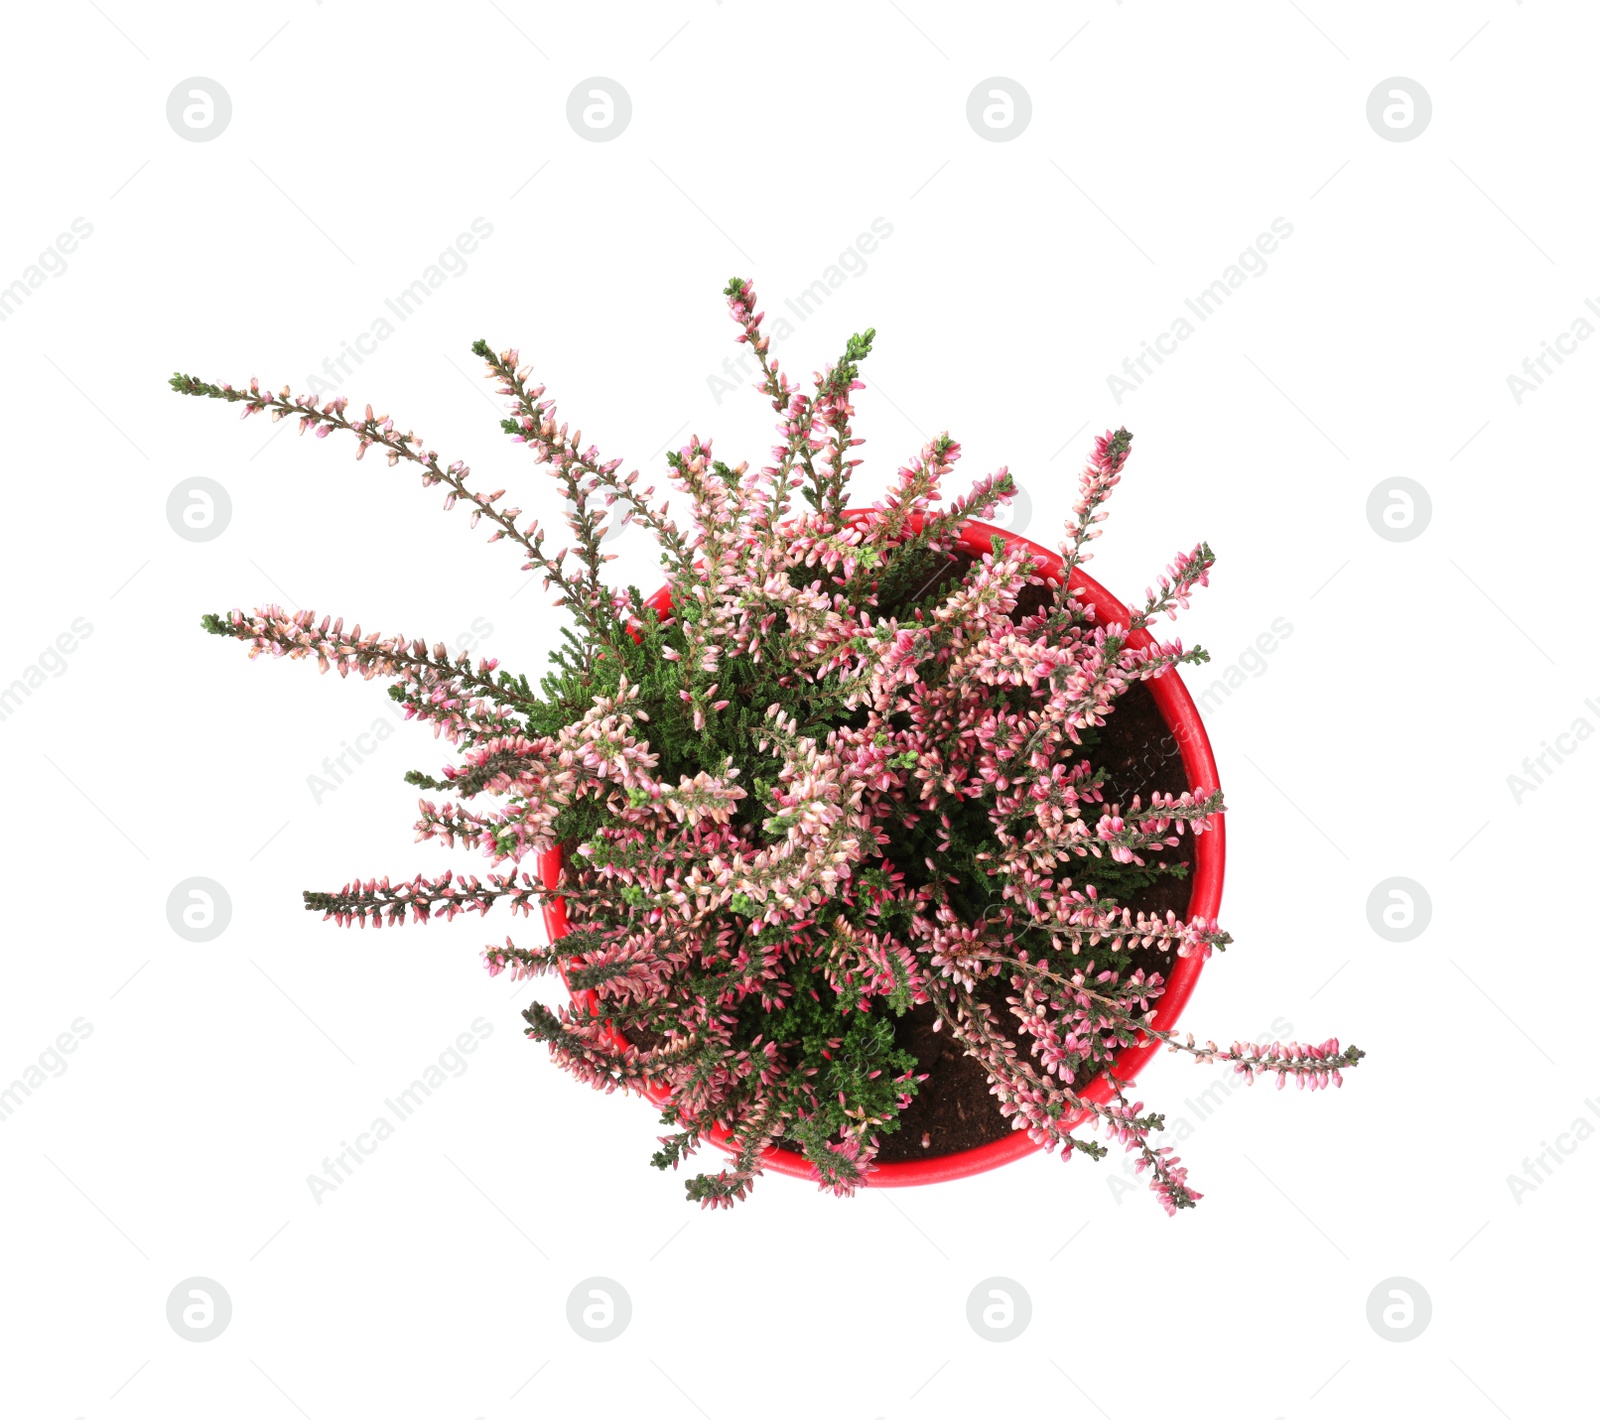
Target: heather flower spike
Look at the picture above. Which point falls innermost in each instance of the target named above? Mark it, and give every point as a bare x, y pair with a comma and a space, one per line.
842, 782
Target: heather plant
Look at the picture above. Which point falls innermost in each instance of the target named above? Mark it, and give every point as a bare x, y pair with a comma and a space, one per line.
836, 773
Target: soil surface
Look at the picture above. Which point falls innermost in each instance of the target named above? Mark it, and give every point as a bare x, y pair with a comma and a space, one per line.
953, 1109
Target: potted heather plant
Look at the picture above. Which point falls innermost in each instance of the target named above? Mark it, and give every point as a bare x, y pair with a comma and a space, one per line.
852, 847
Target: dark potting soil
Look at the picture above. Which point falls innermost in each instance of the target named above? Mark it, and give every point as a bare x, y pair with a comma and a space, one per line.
953, 1109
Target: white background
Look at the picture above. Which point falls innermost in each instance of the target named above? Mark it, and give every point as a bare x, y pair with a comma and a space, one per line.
1375, 741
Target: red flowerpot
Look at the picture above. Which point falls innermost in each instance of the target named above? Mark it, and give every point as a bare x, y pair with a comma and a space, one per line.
1205, 896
